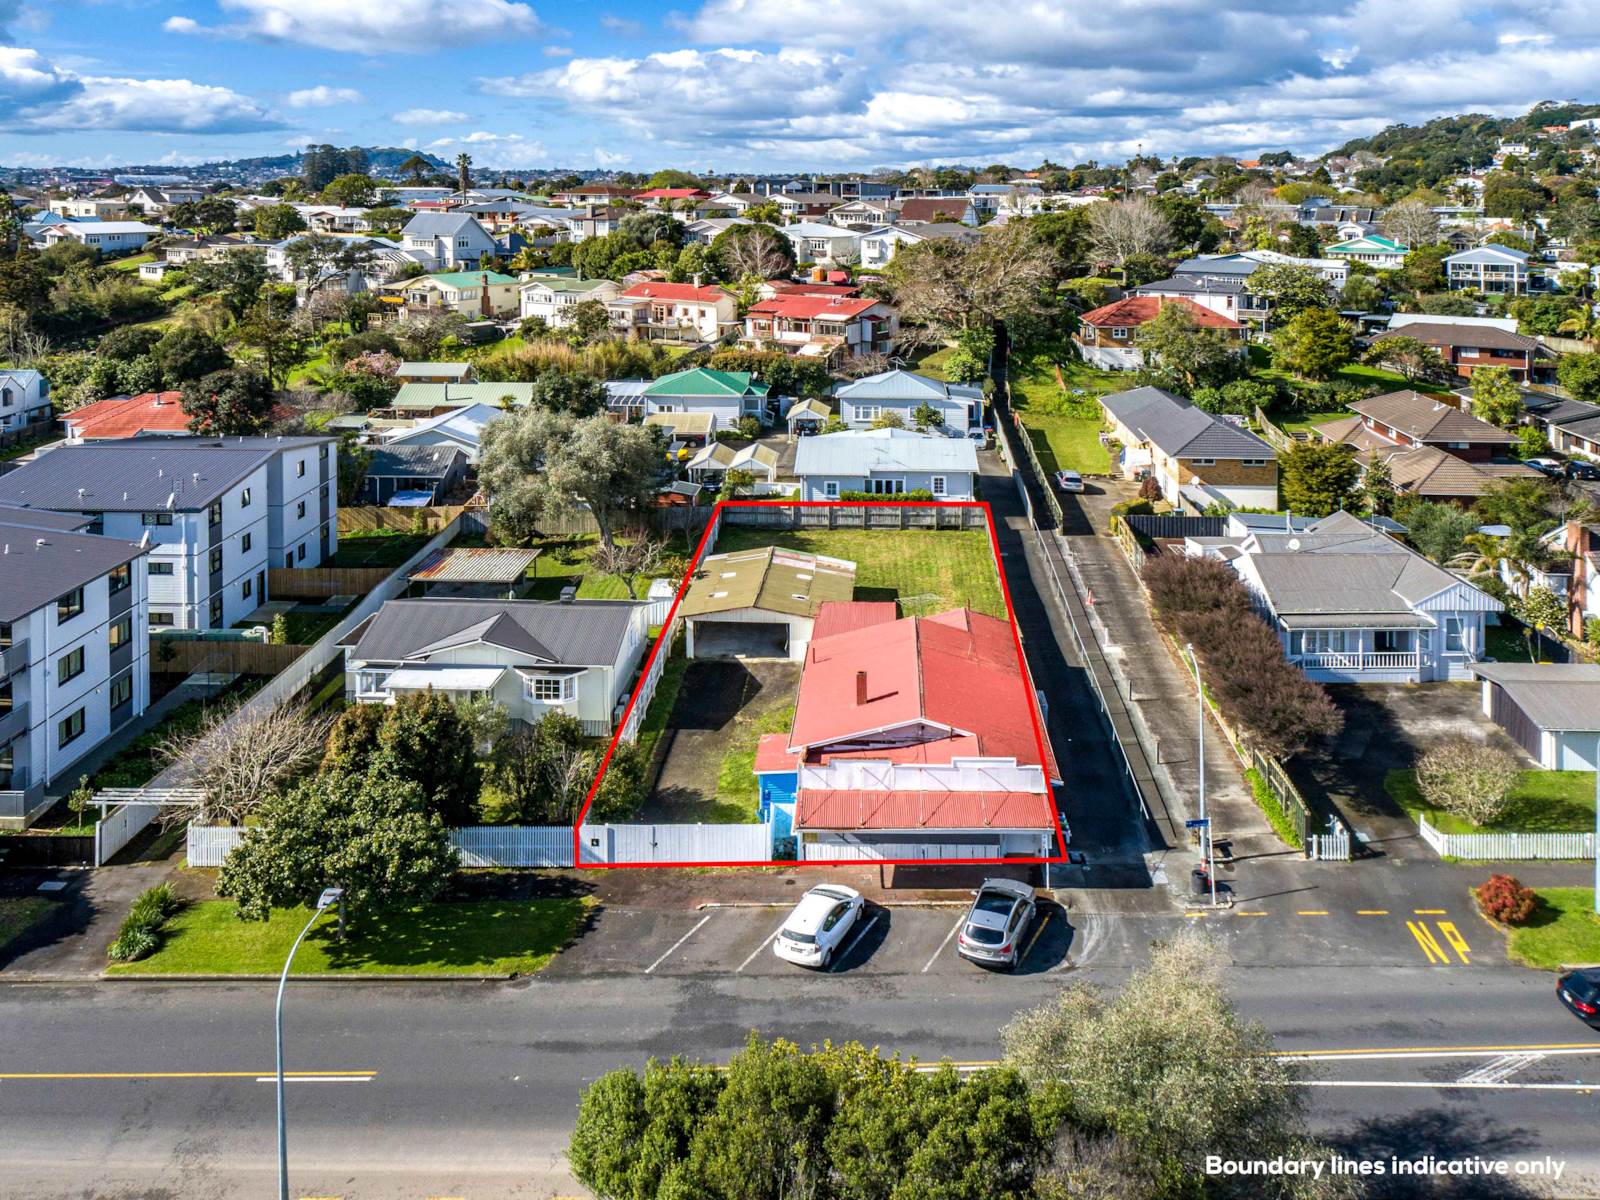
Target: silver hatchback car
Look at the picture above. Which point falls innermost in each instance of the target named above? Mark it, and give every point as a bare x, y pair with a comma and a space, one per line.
1001, 914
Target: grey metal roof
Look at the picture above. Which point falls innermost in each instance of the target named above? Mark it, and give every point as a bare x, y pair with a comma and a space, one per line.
438, 224
42, 519
1193, 284
1179, 428
863, 451
906, 385
420, 462
38, 564
475, 564
585, 633
136, 475
1556, 410
1555, 696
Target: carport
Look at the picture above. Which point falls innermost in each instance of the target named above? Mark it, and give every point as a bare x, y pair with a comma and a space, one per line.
737, 639
760, 603
1551, 709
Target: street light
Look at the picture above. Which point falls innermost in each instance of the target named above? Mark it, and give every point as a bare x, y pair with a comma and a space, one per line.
329, 897
1200, 740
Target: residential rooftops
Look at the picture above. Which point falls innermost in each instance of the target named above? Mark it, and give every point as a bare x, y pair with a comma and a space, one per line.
40, 561
1181, 430
139, 475
580, 633
863, 451
1428, 419
1562, 697
772, 578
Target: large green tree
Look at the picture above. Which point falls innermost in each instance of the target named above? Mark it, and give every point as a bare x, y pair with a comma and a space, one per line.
235, 278
1496, 398
1292, 289
1315, 344
278, 221
1579, 374
231, 402
1187, 354
1318, 478
187, 352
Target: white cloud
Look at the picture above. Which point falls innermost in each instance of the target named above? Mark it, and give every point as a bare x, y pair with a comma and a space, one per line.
371, 26
153, 106
428, 116
323, 96
27, 79
558, 51
621, 26
494, 149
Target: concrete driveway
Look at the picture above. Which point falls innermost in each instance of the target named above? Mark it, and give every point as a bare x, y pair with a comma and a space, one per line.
1387, 727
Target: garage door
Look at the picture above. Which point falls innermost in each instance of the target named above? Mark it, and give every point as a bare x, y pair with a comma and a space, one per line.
1577, 751
741, 639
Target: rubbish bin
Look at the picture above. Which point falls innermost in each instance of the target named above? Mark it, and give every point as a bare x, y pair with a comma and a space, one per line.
1199, 882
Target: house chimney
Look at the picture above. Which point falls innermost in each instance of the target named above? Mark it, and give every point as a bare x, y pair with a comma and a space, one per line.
861, 689
697, 278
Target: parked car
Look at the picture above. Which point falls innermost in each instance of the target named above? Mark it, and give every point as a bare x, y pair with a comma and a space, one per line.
1547, 465
1580, 992
1582, 470
1001, 913
818, 925
1069, 481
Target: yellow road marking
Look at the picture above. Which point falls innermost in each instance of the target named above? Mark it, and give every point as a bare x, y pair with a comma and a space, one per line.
1194, 914
1428, 912
1372, 912
1425, 939
22, 1075
1312, 912
1034, 938
1249, 914
1457, 942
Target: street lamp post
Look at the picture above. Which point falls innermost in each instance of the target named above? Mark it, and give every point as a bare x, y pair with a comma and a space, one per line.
1200, 740
329, 897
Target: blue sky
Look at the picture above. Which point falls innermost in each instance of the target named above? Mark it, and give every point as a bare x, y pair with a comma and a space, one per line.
764, 84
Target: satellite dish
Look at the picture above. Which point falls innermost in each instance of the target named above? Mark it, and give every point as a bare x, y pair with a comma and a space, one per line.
1294, 543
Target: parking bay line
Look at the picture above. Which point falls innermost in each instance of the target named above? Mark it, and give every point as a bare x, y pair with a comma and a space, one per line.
959, 921
765, 942
678, 943
860, 933
1034, 940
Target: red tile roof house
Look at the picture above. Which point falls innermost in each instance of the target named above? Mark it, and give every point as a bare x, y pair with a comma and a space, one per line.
1105, 335
913, 738
127, 416
677, 311
659, 197
826, 327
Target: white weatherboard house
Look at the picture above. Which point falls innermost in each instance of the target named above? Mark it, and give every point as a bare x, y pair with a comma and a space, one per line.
1353, 605
446, 241
553, 298
863, 401
531, 657
74, 667
459, 427
24, 397
885, 462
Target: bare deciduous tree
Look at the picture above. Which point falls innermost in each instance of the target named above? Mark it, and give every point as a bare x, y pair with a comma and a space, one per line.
238, 757
628, 560
1468, 779
1411, 222
756, 251
1120, 229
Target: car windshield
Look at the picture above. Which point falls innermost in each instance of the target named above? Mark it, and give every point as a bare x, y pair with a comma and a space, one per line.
997, 903
1583, 987
985, 937
805, 939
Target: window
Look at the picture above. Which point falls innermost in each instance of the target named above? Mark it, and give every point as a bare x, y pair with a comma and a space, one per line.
216, 610
161, 568
214, 514
69, 606
1119, 333
1455, 641
121, 690
165, 619
69, 665
1317, 641
887, 487
552, 689
300, 552
244, 498
300, 509
830, 489
119, 578
1202, 462
300, 469
1254, 462
246, 588
70, 728
157, 518
216, 559
938, 485
121, 632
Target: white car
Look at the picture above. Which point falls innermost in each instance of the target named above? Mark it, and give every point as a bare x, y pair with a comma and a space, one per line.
818, 925
1069, 481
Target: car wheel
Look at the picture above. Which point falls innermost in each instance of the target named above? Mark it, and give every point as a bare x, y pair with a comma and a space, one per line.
827, 959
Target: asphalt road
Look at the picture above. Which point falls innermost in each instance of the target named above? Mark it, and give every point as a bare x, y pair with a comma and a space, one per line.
141, 1090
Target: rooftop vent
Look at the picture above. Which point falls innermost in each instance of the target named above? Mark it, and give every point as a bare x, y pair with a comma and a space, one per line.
569, 594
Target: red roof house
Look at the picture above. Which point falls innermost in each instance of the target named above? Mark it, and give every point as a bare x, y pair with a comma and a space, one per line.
127, 416
825, 326
660, 194
1105, 335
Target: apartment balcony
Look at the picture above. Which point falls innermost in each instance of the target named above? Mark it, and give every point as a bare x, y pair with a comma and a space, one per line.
21, 802
13, 721
13, 658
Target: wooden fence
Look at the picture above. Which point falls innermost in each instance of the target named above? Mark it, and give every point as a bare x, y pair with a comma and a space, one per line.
231, 657
857, 516
1174, 525
295, 582
1494, 847
401, 520
1279, 438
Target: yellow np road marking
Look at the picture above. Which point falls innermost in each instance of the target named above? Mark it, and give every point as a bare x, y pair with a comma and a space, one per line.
1249, 914
1457, 942
1430, 946
41, 1075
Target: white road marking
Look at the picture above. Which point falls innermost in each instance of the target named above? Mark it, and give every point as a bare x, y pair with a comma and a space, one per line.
851, 945
1443, 1053
1499, 1069
959, 921
678, 943
765, 942
1482, 1087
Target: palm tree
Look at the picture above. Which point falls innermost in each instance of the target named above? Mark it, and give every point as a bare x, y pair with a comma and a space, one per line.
416, 166
464, 172
1512, 558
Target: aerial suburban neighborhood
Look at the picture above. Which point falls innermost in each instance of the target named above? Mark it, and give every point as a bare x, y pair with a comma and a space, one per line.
795, 602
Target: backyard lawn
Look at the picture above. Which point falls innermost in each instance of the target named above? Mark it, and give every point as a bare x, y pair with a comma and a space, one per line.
1562, 932
565, 562
1065, 428
378, 549
1542, 802
738, 791
927, 571
478, 937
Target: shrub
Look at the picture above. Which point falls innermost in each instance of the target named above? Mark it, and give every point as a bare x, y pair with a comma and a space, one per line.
1468, 779
134, 944
1591, 631
153, 907
877, 498
1267, 802
1149, 489
1504, 899
140, 933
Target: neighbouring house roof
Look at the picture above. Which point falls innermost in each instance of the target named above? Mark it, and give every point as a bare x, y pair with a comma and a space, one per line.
1430, 471
466, 425
128, 416
1562, 697
703, 381
1449, 334
1370, 243
811, 407
679, 292
791, 582
693, 424
1179, 429
1195, 284
813, 308
667, 193
581, 633
474, 564
1429, 420
905, 385
849, 615
1584, 427
437, 225
863, 451
932, 209
460, 395
1492, 253
581, 287
460, 279
819, 808
414, 462
40, 560
449, 370
1556, 410
137, 475
1136, 310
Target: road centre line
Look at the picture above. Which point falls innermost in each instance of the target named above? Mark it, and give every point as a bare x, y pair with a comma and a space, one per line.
1372, 912
851, 945
765, 942
1250, 914
678, 943
39, 1076
959, 922
1427, 912
316, 1079
1481, 1087
1312, 912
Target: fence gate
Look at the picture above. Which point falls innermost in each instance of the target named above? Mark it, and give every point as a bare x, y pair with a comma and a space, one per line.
1333, 846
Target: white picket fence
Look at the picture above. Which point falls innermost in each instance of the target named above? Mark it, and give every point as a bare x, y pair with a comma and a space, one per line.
647, 686
1493, 847
551, 845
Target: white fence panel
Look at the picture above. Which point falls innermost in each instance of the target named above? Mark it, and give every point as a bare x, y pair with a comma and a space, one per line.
514, 845
647, 686
116, 830
1493, 847
676, 843
208, 845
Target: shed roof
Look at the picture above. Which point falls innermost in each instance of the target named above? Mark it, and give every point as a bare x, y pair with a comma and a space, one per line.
791, 582
475, 564
1562, 697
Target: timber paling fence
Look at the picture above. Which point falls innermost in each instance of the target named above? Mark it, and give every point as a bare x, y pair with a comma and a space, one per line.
856, 516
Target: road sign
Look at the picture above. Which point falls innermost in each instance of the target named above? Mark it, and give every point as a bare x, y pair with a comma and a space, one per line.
1197, 823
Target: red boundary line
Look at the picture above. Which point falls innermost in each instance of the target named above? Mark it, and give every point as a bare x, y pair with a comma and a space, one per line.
1016, 636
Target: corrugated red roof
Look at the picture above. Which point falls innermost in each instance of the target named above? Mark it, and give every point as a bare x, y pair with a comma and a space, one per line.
845, 616
772, 754
786, 287
1136, 310
709, 294
128, 416
923, 810
933, 209
672, 194
809, 308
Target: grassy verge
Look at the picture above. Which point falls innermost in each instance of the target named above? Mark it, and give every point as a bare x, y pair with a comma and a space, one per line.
1542, 802
1563, 931
1060, 415
738, 794
926, 570
1268, 804
19, 914
481, 937
1357, 374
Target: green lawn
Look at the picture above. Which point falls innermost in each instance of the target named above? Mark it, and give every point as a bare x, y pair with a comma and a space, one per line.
565, 561
133, 262
1542, 802
926, 570
1303, 422
1508, 642
481, 937
932, 363
381, 549
1357, 373
738, 791
1563, 931
1065, 427
19, 914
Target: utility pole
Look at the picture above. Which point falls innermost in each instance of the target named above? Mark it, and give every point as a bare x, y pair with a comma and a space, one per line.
1207, 848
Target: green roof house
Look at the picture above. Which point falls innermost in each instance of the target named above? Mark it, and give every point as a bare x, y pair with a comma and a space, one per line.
1381, 253
726, 395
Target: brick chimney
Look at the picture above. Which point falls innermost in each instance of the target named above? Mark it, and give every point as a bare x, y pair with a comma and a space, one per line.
861, 689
